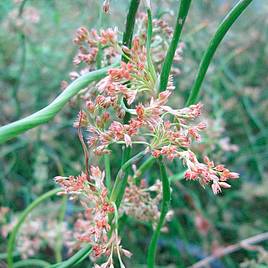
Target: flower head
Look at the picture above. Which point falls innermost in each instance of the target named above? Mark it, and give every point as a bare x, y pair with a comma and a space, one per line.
207, 172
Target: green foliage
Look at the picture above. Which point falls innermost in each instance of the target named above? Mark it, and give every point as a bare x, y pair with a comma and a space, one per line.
234, 93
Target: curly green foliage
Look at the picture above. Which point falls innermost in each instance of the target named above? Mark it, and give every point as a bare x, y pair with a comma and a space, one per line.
44, 115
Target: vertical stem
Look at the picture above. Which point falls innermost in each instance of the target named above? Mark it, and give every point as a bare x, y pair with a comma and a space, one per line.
62, 210
22, 65
100, 22
127, 41
130, 24
223, 28
148, 44
182, 14
23, 3
164, 209
107, 165
59, 238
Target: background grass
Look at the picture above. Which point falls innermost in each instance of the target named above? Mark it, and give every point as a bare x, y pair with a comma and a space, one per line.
234, 94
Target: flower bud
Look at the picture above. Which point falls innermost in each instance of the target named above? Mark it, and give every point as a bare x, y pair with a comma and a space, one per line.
106, 6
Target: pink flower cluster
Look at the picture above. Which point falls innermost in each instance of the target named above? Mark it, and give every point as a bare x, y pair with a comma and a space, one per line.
90, 43
139, 203
162, 34
150, 125
37, 234
163, 130
207, 172
130, 78
25, 22
131, 89
93, 225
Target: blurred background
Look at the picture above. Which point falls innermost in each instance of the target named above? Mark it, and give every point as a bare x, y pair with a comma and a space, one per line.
36, 53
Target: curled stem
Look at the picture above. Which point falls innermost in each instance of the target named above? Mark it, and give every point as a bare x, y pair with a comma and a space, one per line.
44, 115
223, 28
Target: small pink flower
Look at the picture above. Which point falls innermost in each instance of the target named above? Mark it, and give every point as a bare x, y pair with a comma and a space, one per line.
224, 184
163, 97
156, 153
216, 188
127, 140
106, 6
189, 175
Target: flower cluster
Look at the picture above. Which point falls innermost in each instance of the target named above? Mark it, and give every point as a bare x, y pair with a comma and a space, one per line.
106, 6
23, 21
207, 172
151, 126
132, 89
162, 34
37, 234
90, 43
139, 203
100, 48
93, 226
126, 107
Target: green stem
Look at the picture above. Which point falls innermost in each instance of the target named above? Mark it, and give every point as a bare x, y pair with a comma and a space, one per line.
148, 44
121, 180
127, 41
22, 7
75, 259
164, 209
100, 23
144, 166
19, 76
223, 28
43, 116
177, 177
182, 14
149, 33
130, 24
25, 213
107, 165
59, 238
4, 255
31, 262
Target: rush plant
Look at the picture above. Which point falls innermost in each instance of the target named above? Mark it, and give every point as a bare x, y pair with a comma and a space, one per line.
127, 88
